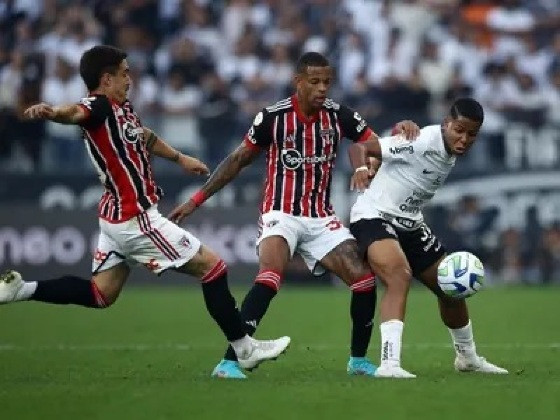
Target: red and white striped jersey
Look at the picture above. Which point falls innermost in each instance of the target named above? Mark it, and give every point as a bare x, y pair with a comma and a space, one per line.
114, 139
301, 153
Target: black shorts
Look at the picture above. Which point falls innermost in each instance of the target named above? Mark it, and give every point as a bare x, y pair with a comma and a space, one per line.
421, 247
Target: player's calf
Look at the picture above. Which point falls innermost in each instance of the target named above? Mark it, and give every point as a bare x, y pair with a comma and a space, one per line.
64, 290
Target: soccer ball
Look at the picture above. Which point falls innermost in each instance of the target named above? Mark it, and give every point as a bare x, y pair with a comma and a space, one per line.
460, 275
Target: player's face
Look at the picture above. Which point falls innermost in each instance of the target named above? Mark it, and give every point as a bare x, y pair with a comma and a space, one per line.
313, 86
460, 134
119, 83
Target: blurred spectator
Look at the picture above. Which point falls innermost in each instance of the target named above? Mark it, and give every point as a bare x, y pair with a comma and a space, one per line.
179, 103
66, 150
217, 119
470, 222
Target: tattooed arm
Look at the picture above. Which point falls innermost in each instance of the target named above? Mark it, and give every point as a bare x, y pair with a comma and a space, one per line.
224, 173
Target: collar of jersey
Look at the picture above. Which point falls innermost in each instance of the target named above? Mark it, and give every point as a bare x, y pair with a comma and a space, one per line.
300, 115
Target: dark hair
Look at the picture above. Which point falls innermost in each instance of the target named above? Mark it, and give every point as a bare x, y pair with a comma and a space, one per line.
313, 59
468, 108
99, 60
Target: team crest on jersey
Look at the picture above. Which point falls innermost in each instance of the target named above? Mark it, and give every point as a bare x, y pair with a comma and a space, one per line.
327, 134
184, 241
131, 133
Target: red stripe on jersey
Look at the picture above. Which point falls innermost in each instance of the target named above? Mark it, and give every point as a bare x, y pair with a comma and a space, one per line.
325, 168
125, 164
288, 187
272, 158
308, 172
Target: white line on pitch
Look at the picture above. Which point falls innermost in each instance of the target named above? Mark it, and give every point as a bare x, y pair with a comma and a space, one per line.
187, 347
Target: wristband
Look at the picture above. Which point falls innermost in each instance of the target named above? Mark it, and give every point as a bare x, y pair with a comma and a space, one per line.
199, 197
361, 168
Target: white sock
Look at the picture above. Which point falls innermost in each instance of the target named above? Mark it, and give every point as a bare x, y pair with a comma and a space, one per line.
26, 290
463, 341
391, 338
242, 347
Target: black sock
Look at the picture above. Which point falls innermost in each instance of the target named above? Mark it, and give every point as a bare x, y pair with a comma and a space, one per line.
66, 290
362, 310
253, 308
221, 306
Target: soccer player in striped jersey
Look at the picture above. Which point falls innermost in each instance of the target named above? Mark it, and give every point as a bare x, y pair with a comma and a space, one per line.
300, 136
131, 227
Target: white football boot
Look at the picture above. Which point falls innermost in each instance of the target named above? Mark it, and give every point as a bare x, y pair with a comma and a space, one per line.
477, 364
10, 285
393, 371
259, 351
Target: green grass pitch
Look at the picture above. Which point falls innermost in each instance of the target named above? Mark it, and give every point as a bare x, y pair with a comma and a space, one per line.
150, 356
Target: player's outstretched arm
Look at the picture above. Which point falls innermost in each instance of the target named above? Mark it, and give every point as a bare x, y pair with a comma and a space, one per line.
63, 114
160, 148
360, 155
224, 173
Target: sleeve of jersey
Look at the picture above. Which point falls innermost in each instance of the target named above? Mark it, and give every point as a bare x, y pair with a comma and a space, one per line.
97, 110
260, 134
354, 127
395, 148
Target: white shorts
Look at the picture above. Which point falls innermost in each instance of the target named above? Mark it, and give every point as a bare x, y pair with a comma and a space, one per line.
148, 238
311, 237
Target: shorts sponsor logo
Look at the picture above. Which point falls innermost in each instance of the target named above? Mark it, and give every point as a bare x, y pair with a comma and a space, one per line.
152, 265
99, 256
407, 223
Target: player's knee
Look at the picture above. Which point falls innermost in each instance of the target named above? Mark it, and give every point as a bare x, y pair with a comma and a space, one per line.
215, 271
104, 296
396, 276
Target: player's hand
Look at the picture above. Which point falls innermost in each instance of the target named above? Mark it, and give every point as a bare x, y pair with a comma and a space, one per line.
39, 111
180, 212
193, 165
409, 129
361, 179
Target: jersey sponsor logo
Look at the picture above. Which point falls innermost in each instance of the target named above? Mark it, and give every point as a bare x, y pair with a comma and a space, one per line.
427, 172
131, 134
401, 149
292, 159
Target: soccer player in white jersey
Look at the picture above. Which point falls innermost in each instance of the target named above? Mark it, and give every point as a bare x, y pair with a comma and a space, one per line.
388, 224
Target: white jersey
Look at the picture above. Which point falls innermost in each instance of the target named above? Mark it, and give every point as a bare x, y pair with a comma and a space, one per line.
409, 176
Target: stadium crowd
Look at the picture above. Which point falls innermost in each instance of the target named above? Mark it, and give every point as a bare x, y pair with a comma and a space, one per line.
203, 68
